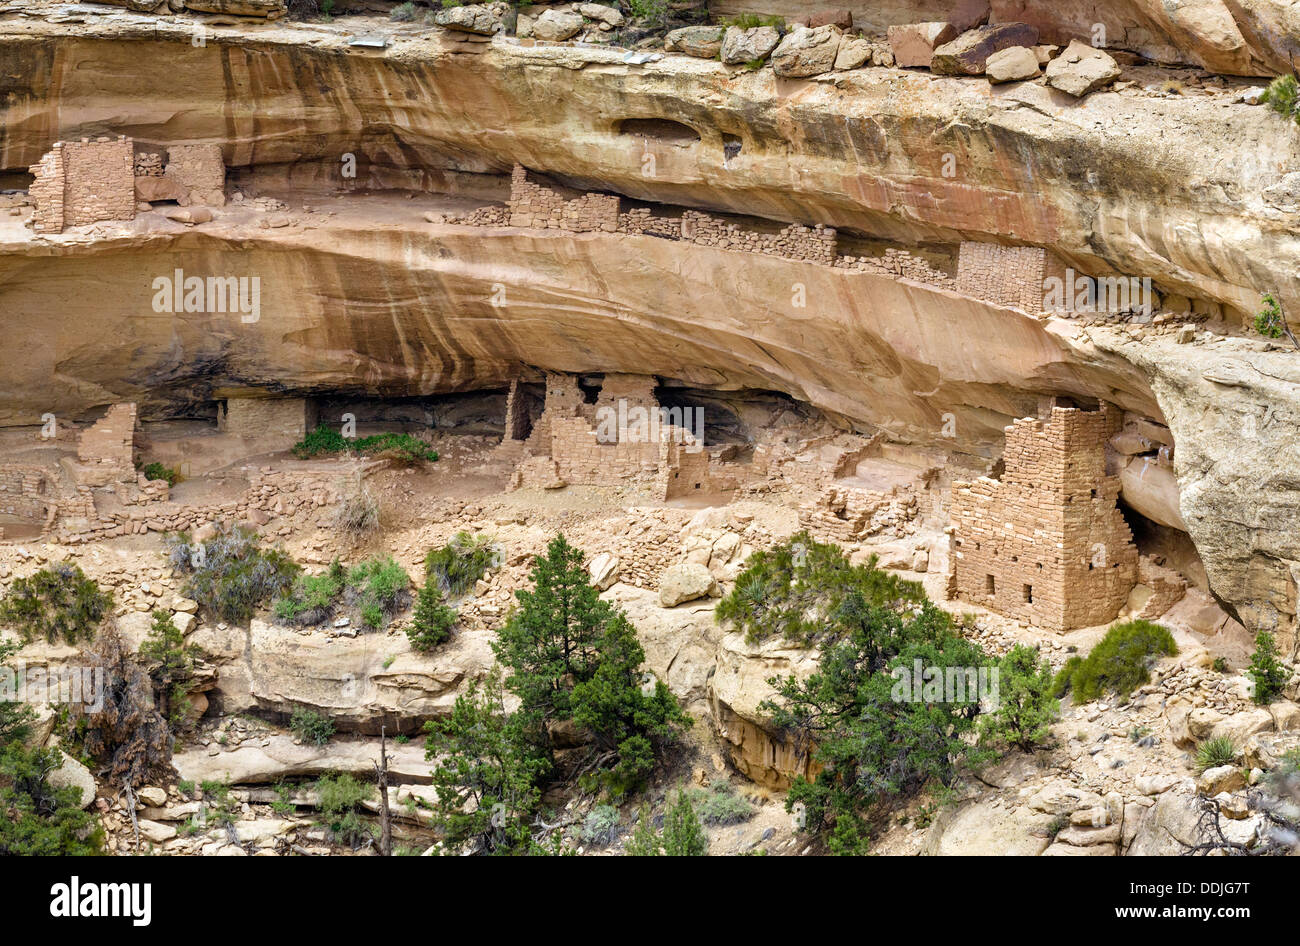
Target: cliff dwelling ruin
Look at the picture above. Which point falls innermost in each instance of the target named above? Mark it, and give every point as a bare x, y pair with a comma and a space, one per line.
990, 320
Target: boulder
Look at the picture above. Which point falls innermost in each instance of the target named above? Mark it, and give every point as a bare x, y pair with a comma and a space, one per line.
1081, 69
556, 27
152, 796
1286, 715
685, 582
1241, 726
742, 46
283, 758
968, 54
1221, 778
155, 832
1014, 64
1089, 836
476, 18
855, 52
914, 44
703, 42
807, 52
603, 570
1187, 727
1155, 784
980, 829
1173, 818
1060, 797
601, 14
1265, 750
72, 774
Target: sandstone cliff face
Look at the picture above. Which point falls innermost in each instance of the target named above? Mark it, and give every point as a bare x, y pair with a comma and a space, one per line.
1091, 180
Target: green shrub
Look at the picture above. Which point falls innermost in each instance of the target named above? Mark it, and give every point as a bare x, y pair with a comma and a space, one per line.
1026, 707
156, 471
1215, 752
230, 575
378, 587
433, 620
357, 514
311, 726
654, 12
403, 12
38, 818
1283, 97
461, 562
601, 826
340, 798
682, 834
804, 590
403, 449
58, 602
721, 806
312, 598
219, 806
1268, 675
1120, 663
1269, 322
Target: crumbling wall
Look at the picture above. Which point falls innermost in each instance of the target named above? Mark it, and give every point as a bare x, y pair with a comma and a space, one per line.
849, 514
1046, 544
621, 439
1004, 275
201, 172
107, 447
538, 207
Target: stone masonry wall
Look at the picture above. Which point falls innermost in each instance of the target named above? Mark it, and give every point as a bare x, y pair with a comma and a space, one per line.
1004, 275
109, 444
1046, 544
46, 192
98, 180
279, 420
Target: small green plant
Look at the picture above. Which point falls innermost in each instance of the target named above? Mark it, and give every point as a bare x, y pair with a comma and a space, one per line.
327, 10
456, 566
186, 788
219, 806
1138, 733
340, 798
402, 449
1283, 97
1120, 663
432, 621
1215, 752
1266, 672
56, 603
654, 12
170, 665
401, 739
283, 804
1026, 707
682, 835
1220, 665
312, 598
645, 841
403, 12
601, 826
721, 806
378, 587
156, 471
1057, 825
311, 726
1269, 320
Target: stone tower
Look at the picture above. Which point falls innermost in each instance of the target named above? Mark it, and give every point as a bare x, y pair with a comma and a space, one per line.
1046, 543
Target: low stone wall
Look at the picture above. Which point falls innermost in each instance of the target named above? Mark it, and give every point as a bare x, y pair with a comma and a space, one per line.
848, 514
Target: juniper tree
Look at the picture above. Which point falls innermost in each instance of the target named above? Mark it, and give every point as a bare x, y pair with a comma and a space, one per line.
682, 835
549, 643
171, 666
433, 619
485, 774
633, 715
